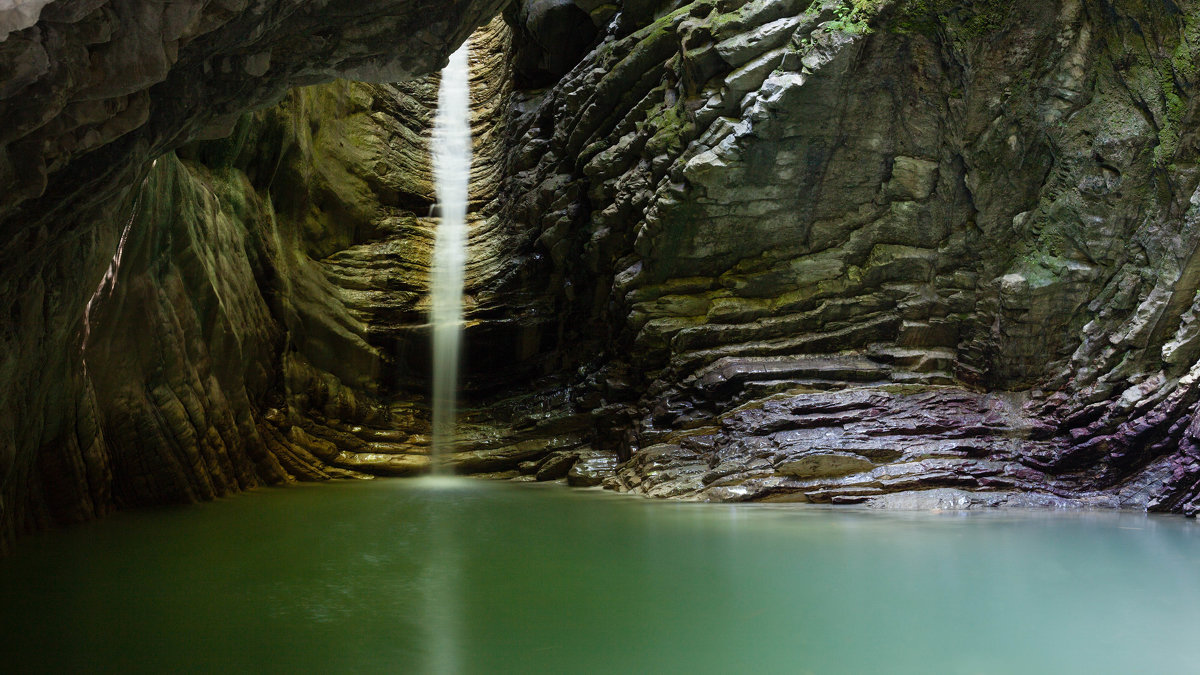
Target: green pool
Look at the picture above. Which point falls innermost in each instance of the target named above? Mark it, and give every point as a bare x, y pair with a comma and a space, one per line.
395, 576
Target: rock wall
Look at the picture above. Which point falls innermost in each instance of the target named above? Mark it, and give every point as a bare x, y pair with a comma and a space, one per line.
264, 316
834, 251
919, 252
90, 95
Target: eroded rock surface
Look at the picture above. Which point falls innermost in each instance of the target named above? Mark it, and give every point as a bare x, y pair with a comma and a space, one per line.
808, 239
923, 254
90, 95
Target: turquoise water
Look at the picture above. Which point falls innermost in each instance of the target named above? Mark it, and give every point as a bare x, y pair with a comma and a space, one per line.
397, 576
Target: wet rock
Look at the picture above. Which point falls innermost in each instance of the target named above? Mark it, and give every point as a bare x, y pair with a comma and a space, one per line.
500, 475
592, 468
817, 464
556, 465
96, 97
831, 267
948, 499
712, 238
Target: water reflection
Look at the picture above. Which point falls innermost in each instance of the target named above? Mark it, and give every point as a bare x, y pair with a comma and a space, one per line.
465, 576
442, 570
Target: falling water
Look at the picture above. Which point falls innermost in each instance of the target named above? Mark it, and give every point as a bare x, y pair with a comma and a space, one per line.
452, 170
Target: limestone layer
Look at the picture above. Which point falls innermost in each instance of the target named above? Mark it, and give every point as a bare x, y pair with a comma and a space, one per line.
911, 253
90, 95
830, 251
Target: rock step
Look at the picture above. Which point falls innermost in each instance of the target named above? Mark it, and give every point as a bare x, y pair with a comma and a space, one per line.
915, 359
380, 255
382, 464
854, 336
706, 335
930, 378
736, 372
766, 388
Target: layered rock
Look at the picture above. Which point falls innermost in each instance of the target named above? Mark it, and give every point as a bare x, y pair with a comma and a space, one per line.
903, 253
301, 288
88, 74
91, 95
776, 207
285, 272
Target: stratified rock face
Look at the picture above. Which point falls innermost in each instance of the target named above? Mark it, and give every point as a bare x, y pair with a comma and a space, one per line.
279, 282
290, 292
156, 74
802, 241
721, 249
89, 96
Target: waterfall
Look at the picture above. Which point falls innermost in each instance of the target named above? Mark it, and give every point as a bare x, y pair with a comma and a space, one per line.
452, 172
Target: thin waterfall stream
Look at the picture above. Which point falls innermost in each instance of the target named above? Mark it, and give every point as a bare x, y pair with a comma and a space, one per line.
452, 172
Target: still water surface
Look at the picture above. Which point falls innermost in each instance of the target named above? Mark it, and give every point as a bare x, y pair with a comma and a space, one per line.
397, 576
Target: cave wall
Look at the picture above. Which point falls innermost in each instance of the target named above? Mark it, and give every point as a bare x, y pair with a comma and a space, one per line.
285, 270
278, 280
832, 252
838, 251
92, 94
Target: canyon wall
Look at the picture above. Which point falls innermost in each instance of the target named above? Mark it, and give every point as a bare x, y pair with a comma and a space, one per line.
91, 95
840, 252
905, 253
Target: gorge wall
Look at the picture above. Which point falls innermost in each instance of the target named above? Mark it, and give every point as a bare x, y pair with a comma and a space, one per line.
918, 252
846, 250
92, 94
